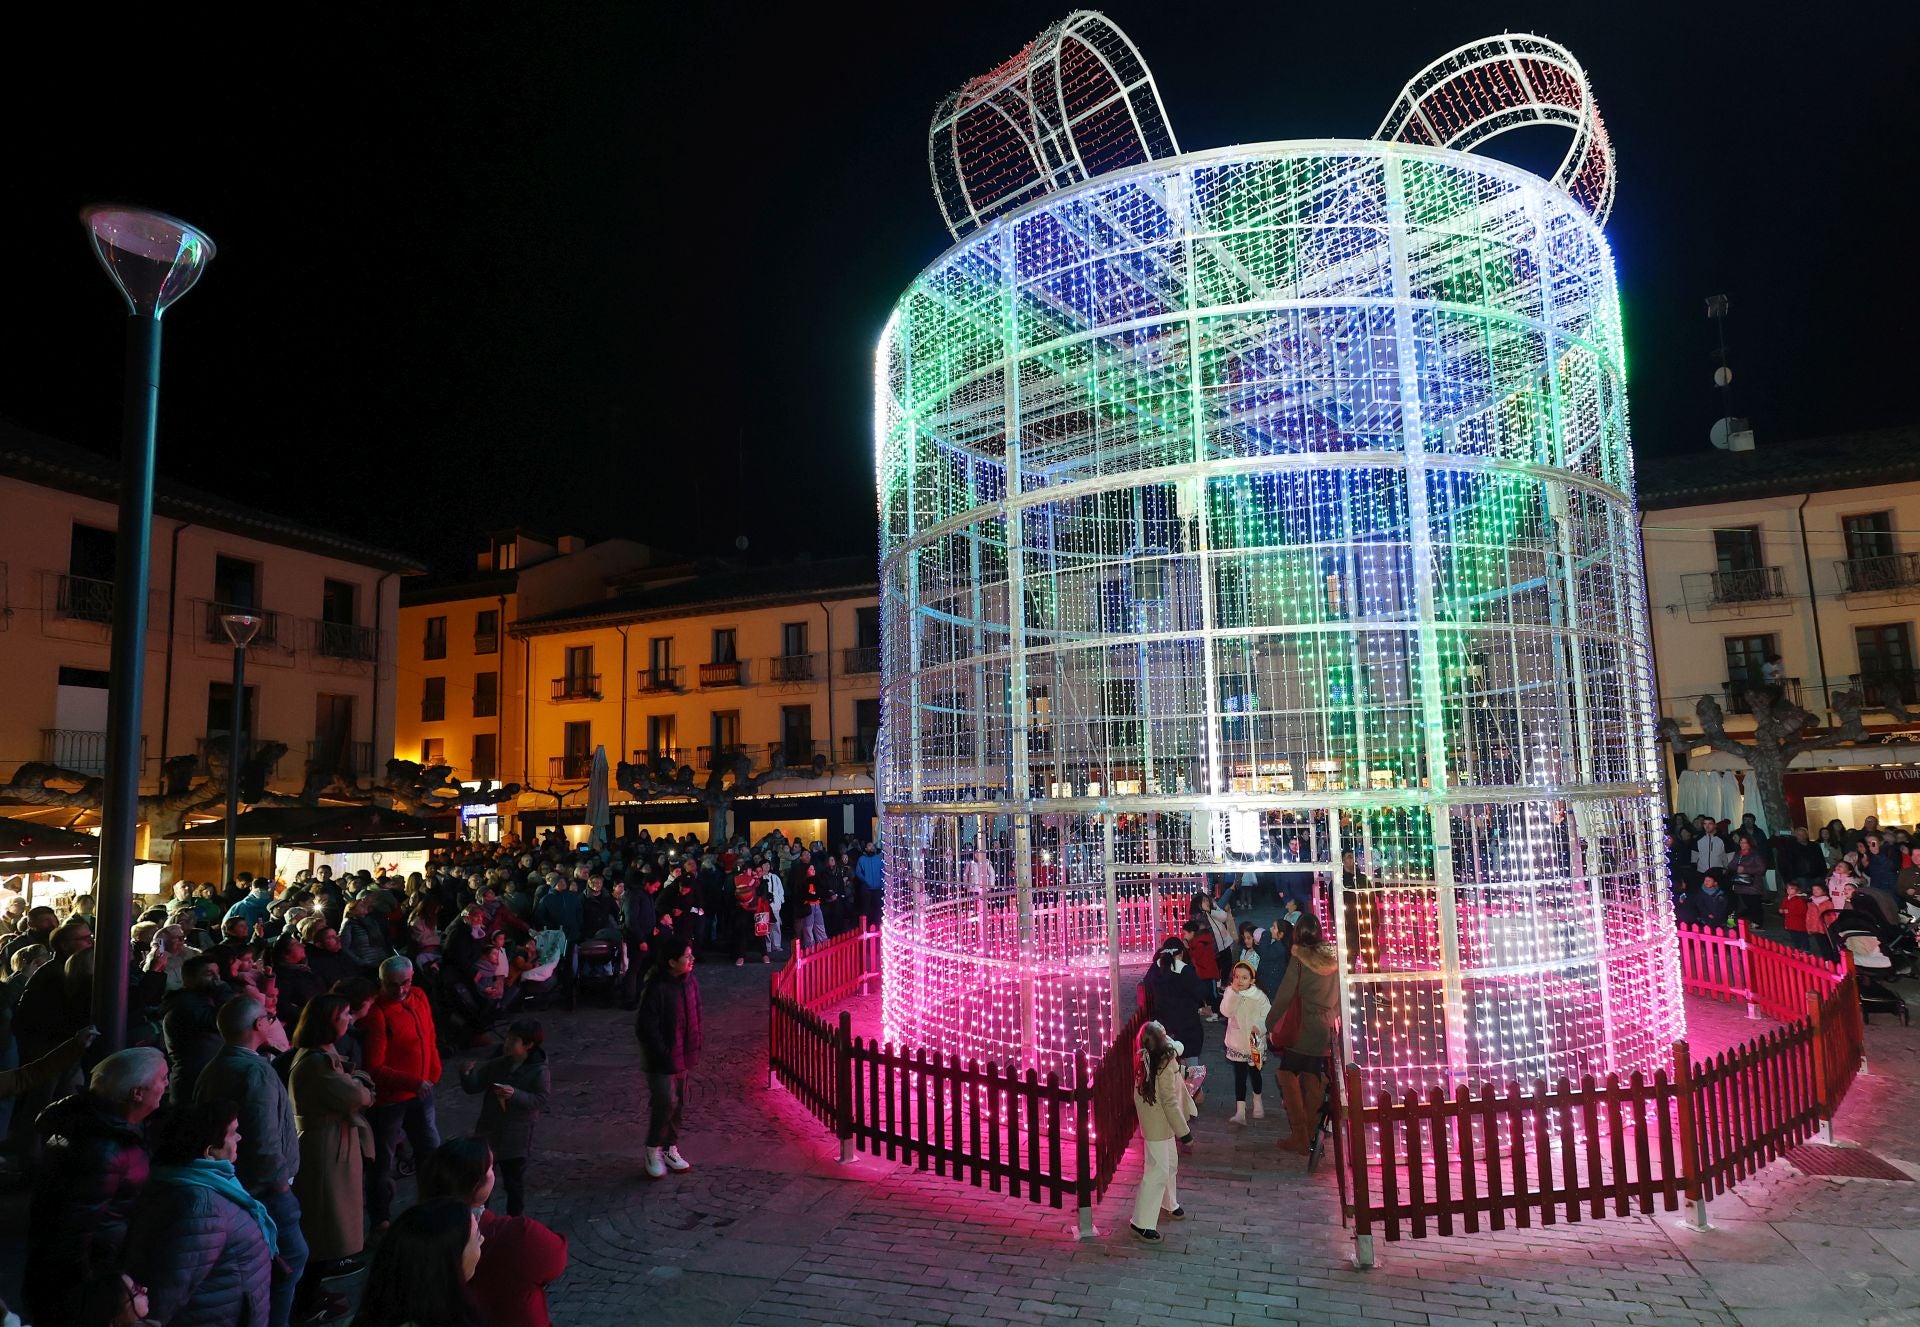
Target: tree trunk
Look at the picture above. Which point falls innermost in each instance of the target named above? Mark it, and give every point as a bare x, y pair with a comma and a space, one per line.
1767, 775
717, 817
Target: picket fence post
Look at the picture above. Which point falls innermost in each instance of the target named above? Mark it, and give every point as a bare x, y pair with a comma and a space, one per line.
843, 1087
1357, 1159
1746, 969
1691, 1186
1084, 1088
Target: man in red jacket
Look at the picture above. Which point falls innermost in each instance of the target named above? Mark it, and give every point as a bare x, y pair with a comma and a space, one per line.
403, 1055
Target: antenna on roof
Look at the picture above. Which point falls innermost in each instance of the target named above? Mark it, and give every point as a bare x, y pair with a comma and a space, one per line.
1730, 433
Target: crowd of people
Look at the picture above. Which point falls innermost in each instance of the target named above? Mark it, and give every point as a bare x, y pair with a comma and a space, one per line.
244, 1151
1722, 873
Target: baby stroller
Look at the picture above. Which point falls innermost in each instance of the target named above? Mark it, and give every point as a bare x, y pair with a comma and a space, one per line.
1864, 938
602, 966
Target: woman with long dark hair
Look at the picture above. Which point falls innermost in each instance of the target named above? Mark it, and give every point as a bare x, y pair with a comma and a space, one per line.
420, 1273
1160, 1101
520, 1258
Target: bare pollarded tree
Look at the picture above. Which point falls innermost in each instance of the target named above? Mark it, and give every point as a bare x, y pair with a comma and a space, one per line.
1783, 731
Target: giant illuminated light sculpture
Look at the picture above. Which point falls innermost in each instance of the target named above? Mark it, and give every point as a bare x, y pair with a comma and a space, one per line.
1244, 507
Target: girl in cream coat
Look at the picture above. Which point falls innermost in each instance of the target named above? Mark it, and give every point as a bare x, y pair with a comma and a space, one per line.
1161, 1101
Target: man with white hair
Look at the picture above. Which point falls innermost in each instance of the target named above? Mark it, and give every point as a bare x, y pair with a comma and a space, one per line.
403, 1057
95, 1164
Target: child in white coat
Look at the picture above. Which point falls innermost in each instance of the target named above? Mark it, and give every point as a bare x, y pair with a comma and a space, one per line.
1245, 1007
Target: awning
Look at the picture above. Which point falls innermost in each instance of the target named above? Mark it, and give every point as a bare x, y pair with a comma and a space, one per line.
327, 829
27, 846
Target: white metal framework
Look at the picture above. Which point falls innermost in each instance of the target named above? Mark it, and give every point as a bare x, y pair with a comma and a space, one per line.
1245, 507
1076, 102
1488, 87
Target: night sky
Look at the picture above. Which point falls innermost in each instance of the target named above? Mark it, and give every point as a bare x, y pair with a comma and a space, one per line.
619, 270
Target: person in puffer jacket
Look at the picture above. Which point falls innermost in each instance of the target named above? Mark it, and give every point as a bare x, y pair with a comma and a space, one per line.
198, 1241
364, 936
668, 1027
95, 1165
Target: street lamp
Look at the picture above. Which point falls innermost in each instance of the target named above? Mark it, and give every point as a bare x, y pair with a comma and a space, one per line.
240, 629
154, 260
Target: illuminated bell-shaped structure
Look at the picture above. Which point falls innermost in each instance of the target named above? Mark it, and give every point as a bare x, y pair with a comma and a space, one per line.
1245, 508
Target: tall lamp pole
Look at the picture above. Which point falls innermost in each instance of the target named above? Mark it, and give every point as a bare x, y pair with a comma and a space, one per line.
154, 260
240, 629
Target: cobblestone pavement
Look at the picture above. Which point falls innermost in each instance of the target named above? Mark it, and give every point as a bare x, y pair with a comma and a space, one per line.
770, 1229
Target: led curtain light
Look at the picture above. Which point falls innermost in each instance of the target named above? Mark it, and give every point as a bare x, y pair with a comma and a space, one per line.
1245, 507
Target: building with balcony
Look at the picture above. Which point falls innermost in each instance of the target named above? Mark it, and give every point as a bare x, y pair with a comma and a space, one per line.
464, 683
320, 669
652, 657
1809, 551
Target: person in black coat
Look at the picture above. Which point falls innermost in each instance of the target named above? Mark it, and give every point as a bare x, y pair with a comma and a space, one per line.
1174, 996
298, 982
189, 1022
199, 1243
1713, 905
668, 1029
517, 1085
330, 963
642, 928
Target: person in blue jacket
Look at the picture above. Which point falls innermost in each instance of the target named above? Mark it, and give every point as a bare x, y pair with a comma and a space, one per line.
251, 909
870, 872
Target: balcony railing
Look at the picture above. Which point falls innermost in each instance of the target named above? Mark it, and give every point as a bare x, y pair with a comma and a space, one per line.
673, 755
577, 686
858, 749
660, 679
267, 634
1889, 571
353, 760
486, 642
78, 749
710, 756
1748, 584
571, 768
798, 752
1889, 684
434, 647
790, 668
733, 673
1735, 697
861, 659
344, 640
84, 599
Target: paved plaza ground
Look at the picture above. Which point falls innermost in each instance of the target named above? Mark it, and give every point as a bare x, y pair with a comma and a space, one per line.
770, 1229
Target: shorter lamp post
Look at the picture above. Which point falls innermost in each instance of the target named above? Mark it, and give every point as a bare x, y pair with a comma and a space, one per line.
241, 629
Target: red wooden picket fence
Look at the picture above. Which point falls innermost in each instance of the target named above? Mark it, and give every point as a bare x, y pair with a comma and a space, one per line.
991, 1125
1426, 1164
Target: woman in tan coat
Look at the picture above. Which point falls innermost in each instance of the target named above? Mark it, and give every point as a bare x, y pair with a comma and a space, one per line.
1312, 984
1160, 1100
329, 1101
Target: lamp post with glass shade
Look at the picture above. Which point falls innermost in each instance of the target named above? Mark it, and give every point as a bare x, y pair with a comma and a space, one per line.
240, 629
154, 260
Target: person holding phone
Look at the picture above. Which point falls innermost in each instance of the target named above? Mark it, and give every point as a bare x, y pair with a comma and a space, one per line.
517, 1084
